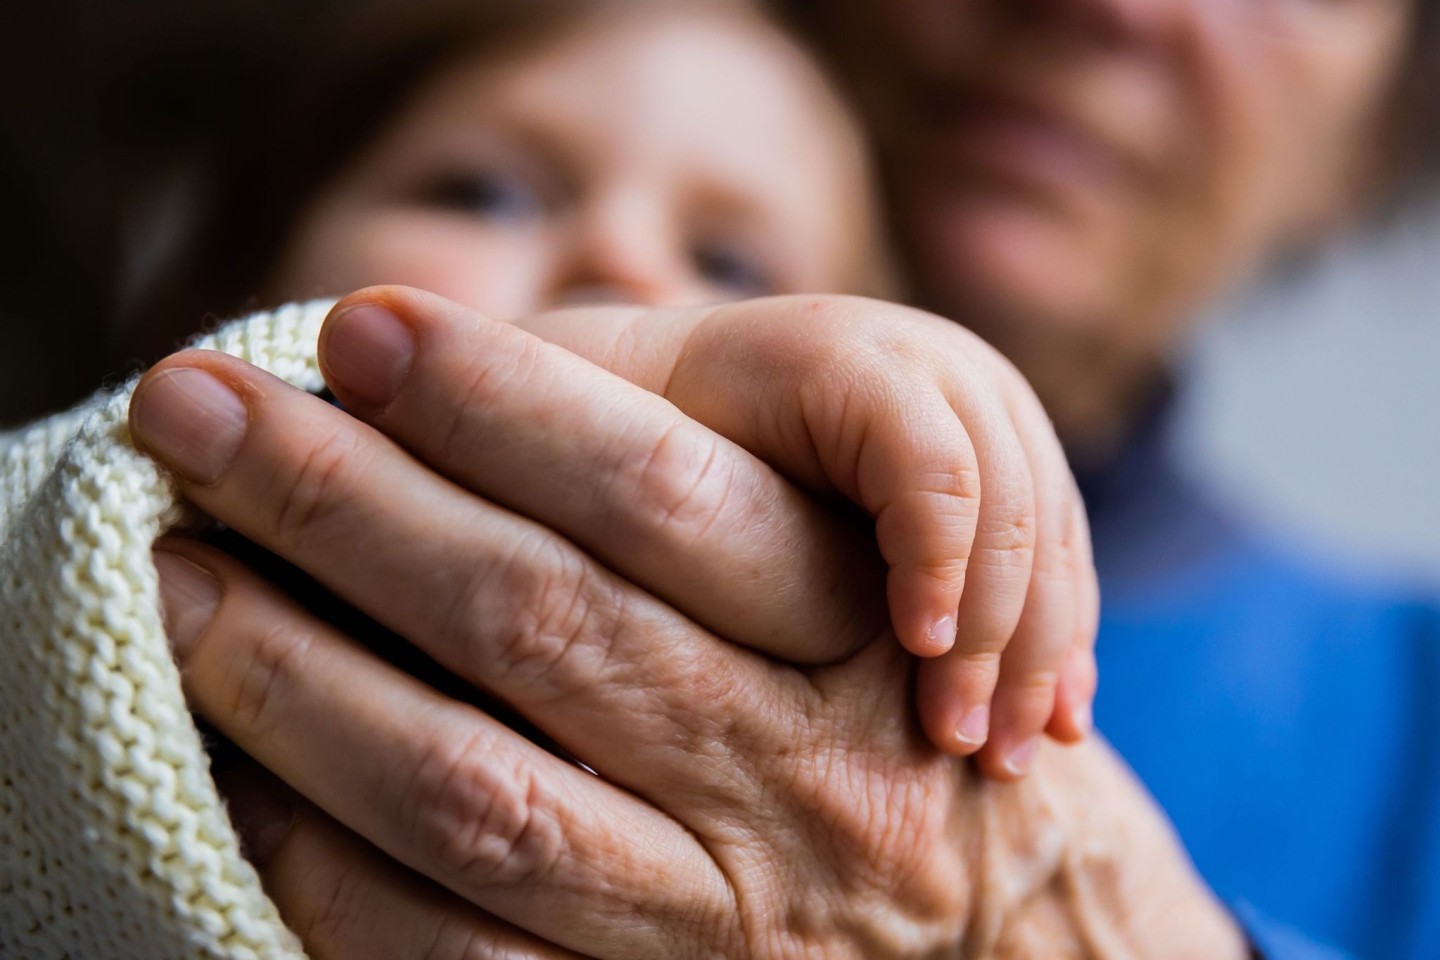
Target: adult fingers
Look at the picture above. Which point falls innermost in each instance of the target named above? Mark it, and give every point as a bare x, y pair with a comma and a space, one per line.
500, 601
989, 505
834, 412
1026, 570
826, 401
669, 505
433, 782
348, 901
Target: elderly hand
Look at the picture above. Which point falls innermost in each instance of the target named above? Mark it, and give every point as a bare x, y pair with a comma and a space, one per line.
940, 440
744, 807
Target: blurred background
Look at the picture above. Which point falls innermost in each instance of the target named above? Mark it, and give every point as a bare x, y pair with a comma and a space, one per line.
106, 112
1315, 400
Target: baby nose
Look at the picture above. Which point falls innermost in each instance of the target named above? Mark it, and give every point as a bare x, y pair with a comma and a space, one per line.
618, 252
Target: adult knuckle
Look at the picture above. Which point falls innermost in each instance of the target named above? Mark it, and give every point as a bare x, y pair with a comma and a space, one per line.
277, 656
557, 617
705, 710
478, 819
487, 376
315, 490
685, 483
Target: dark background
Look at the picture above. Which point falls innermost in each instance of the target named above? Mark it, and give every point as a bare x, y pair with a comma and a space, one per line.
106, 113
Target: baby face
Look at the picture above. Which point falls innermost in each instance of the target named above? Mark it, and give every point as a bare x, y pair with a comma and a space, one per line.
657, 156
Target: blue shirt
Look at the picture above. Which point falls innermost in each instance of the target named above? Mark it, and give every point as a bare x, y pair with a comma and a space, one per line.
1286, 718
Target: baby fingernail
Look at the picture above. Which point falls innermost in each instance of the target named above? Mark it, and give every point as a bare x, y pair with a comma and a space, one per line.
974, 728
191, 421
189, 595
941, 635
368, 351
1019, 760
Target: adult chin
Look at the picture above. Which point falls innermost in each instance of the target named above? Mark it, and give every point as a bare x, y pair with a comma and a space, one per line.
1069, 296
992, 262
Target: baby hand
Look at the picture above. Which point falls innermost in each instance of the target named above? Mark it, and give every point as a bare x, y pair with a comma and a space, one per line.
942, 442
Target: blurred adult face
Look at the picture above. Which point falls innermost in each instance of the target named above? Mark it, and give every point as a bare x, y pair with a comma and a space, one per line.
1086, 172
661, 157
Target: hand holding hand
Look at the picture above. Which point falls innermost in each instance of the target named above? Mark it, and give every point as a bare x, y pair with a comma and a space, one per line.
940, 440
743, 806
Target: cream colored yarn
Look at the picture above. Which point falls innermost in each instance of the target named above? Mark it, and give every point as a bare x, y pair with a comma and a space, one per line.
113, 841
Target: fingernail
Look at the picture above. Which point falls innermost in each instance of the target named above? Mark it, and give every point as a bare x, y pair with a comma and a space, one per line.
262, 811
1019, 761
975, 727
191, 421
189, 595
367, 353
942, 634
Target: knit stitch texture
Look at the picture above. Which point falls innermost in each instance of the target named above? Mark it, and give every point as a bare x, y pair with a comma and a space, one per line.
113, 840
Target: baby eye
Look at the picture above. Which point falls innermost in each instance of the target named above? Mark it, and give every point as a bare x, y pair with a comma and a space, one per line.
501, 196
732, 269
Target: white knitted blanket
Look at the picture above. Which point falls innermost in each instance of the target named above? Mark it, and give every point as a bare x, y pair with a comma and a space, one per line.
113, 841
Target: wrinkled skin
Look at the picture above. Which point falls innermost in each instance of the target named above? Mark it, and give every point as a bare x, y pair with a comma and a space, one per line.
745, 807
